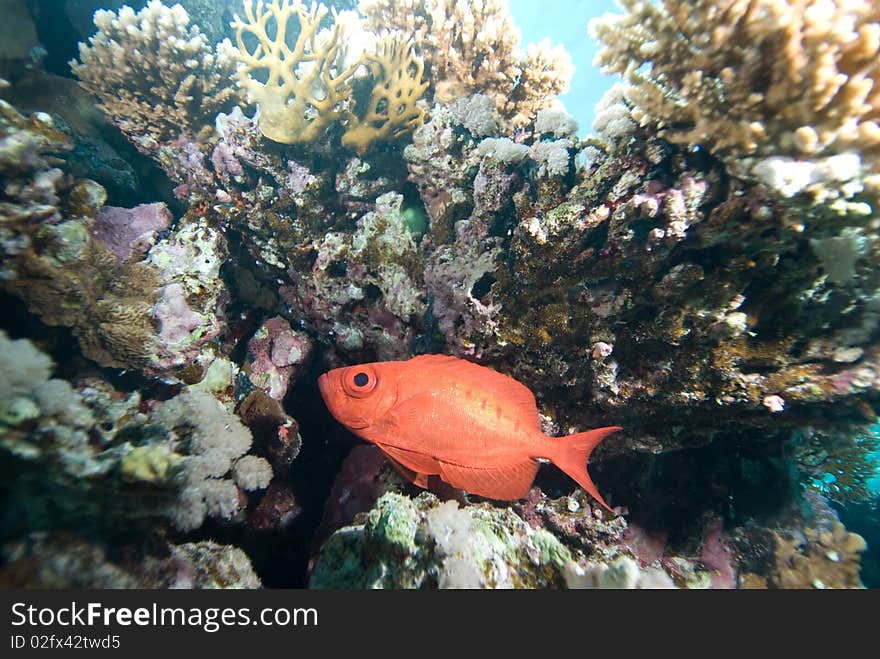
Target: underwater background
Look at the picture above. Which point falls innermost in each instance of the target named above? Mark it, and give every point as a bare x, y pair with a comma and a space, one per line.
207, 205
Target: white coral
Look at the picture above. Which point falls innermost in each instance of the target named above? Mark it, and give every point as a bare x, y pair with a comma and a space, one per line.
25, 366
216, 440
251, 472
556, 122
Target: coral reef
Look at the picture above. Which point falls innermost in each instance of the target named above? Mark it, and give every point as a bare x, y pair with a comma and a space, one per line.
97, 150
839, 465
725, 304
621, 573
440, 162
420, 542
826, 560
423, 543
275, 351
811, 558
215, 469
64, 560
130, 232
362, 290
91, 454
157, 313
475, 48
294, 108
703, 272
392, 109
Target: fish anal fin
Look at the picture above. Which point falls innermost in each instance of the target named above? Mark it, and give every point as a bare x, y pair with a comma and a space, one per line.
418, 462
504, 483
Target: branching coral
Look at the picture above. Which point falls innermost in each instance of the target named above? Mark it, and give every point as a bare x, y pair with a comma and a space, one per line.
753, 77
157, 78
304, 86
474, 47
397, 87
304, 89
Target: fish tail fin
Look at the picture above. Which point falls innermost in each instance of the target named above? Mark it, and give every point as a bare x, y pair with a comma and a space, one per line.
573, 453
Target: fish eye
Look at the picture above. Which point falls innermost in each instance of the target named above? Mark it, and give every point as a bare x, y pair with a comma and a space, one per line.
359, 381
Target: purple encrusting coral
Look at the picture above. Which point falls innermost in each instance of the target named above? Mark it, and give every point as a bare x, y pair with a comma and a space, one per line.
130, 232
702, 273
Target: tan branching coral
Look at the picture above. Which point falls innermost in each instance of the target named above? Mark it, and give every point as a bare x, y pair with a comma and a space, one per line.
156, 77
398, 85
304, 88
474, 47
798, 79
545, 73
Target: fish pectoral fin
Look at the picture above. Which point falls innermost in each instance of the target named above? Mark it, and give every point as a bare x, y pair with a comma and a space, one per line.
418, 462
409, 413
505, 483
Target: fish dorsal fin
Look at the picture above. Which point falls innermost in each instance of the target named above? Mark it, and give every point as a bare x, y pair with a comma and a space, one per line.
505, 388
505, 483
418, 462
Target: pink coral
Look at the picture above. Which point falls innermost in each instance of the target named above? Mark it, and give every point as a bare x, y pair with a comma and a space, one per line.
274, 352
716, 556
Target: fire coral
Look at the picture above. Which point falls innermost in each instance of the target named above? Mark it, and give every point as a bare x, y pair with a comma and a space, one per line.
303, 90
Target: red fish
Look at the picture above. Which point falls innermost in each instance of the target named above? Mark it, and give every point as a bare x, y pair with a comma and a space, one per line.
472, 427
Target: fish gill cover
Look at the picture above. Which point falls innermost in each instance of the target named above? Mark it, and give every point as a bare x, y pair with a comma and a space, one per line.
237, 197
